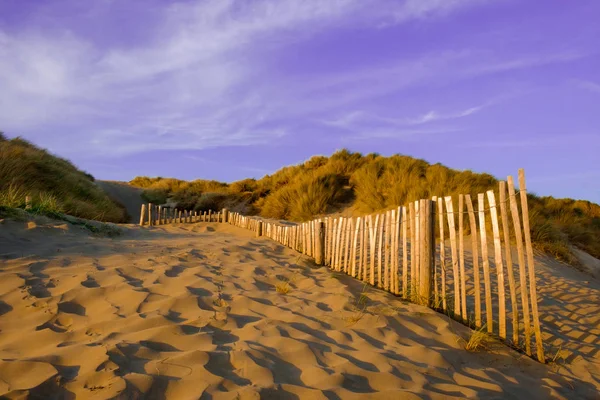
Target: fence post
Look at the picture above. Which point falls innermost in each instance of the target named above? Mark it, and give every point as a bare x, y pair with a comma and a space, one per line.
27, 202
320, 243
225, 215
531, 267
427, 256
143, 215
150, 214
259, 229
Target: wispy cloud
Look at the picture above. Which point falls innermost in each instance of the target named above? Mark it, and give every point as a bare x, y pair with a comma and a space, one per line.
542, 141
359, 120
196, 82
411, 9
405, 134
588, 85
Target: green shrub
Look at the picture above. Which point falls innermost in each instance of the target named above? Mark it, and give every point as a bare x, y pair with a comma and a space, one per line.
210, 201
155, 196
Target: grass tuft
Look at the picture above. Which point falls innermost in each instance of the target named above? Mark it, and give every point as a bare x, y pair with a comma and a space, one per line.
479, 340
283, 287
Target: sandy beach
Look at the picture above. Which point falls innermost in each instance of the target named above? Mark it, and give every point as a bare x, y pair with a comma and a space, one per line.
208, 311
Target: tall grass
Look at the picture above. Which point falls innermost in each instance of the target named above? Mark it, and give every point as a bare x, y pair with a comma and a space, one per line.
54, 184
372, 183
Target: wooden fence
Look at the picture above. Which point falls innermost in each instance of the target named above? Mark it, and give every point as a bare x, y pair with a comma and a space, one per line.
434, 252
152, 214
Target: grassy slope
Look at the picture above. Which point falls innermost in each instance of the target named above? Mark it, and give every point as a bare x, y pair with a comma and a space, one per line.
56, 185
373, 183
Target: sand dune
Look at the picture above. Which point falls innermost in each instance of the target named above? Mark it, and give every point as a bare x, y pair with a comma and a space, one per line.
199, 311
125, 194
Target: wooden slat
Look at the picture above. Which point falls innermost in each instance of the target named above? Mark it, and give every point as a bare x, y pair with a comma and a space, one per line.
436, 286
397, 217
381, 222
387, 237
307, 238
489, 312
338, 243
454, 253
404, 253
343, 235
331, 239
354, 246
336, 228
461, 257
475, 253
372, 233
442, 254
334, 243
427, 253
142, 215
359, 249
326, 261
303, 237
413, 251
499, 266
312, 238
514, 210
342, 248
363, 253
347, 243
417, 245
531, 266
509, 264
423, 259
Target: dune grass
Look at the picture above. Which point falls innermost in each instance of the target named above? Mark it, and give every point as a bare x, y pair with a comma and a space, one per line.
372, 183
346, 180
479, 340
55, 185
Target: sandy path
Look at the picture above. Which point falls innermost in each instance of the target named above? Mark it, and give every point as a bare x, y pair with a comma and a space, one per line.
125, 194
193, 311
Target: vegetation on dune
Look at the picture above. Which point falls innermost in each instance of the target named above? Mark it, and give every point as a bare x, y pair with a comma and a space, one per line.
55, 185
354, 182
372, 183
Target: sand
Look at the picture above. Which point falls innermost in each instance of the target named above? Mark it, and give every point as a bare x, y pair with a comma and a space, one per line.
125, 194
199, 311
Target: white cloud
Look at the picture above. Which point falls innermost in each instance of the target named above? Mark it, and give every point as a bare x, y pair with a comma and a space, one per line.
542, 141
359, 119
410, 9
195, 82
588, 85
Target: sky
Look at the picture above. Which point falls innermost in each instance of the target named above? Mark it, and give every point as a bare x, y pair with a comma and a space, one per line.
230, 89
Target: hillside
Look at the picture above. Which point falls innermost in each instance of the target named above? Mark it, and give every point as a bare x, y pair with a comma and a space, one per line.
358, 184
126, 195
55, 184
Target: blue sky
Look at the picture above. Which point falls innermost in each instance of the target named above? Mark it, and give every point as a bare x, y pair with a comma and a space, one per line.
228, 89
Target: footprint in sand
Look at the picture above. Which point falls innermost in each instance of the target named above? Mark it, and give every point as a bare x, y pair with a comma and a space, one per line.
90, 282
174, 271
71, 307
